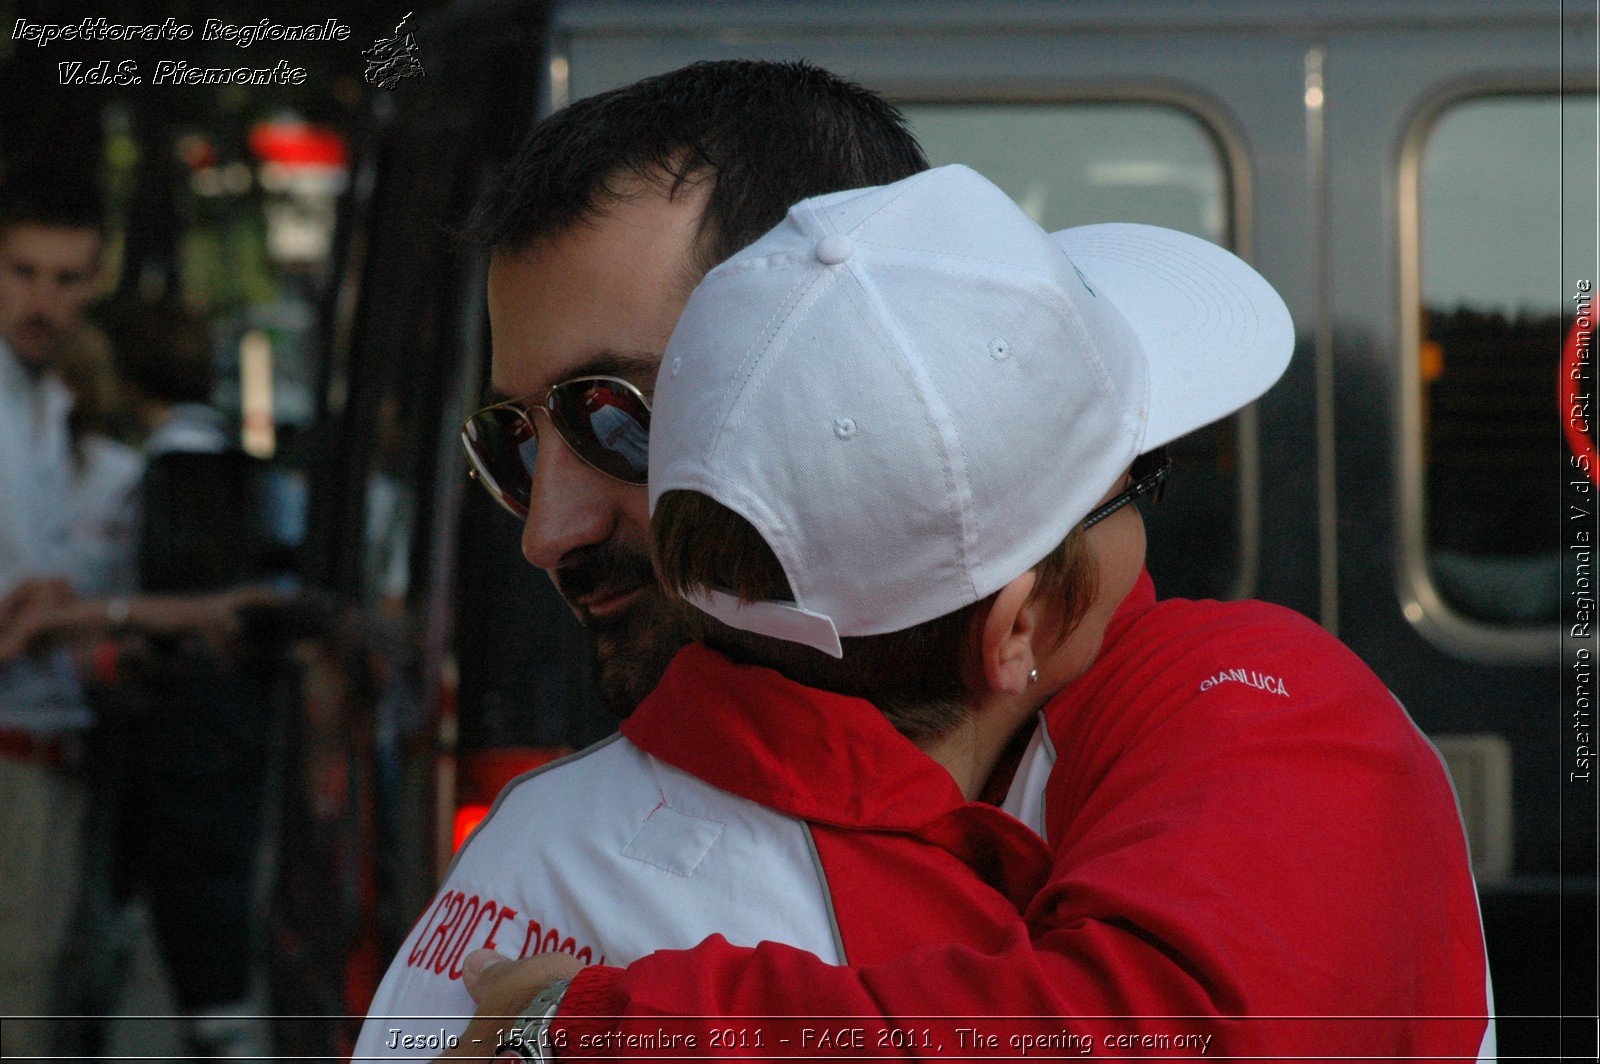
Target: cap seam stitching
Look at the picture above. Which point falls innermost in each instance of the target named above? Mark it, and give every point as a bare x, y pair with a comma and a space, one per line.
763, 339
943, 426
926, 254
872, 217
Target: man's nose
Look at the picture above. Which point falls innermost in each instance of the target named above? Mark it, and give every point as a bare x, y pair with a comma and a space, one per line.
569, 506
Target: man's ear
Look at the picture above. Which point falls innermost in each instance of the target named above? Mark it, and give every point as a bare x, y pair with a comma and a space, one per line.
1006, 641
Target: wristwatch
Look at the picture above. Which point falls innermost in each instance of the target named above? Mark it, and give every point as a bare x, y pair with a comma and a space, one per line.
529, 1039
117, 612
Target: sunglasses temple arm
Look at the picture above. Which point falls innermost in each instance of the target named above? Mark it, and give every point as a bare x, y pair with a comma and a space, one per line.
1153, 484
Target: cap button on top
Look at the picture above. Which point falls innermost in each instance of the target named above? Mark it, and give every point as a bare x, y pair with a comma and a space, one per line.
834, 249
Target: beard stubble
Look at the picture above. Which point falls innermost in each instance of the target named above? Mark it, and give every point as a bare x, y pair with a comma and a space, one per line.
633, 647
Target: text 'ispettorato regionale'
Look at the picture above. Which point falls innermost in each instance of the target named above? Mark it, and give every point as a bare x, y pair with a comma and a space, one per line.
98, 30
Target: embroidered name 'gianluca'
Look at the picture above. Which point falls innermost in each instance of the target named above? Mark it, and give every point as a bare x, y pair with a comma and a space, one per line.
1248, 677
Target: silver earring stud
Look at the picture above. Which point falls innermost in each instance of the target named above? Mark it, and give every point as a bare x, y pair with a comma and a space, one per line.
1033, 677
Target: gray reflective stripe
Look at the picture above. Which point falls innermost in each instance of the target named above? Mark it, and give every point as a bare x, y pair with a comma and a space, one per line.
1442, 764
827, 893
1487, 1049
528, 775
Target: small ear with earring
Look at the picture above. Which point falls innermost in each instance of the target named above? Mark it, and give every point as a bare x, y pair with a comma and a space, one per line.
1033, 677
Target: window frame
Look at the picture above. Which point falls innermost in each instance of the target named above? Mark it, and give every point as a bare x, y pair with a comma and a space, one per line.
1420, 600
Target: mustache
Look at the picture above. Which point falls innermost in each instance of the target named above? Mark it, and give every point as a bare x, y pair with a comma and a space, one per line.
605, 567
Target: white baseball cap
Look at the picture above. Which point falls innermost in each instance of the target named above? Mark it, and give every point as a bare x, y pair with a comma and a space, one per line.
914, 393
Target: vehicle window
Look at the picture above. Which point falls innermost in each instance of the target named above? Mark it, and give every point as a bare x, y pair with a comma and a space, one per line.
1073, 164
1497, 299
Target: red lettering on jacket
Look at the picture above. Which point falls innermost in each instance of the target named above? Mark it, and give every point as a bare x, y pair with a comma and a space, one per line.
441, 934
505, 914
530, 939
472, 929
541, 939
418, 949
457, 941
448, 929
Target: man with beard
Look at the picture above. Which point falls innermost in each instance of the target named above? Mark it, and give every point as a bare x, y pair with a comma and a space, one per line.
49, 258
610, 213
600, 227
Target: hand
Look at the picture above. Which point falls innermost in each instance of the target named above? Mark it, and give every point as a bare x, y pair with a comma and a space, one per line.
24, 628
253, 596
214, 617
226, 613
504, 989
35, 593
38, 611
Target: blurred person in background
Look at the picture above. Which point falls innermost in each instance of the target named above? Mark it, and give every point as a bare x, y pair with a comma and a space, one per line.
195, 730
103, 509
182, 716
164, 358
50, 242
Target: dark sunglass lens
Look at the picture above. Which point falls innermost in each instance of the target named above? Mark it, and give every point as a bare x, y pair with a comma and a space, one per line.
607, 424
502, 447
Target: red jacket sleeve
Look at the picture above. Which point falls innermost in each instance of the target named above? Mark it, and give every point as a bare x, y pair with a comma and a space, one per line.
1256, 854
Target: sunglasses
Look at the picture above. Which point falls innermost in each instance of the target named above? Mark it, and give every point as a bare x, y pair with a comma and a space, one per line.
1149, 474
603, 420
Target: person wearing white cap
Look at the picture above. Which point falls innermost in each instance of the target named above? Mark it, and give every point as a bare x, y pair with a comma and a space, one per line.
614, 853
890, 451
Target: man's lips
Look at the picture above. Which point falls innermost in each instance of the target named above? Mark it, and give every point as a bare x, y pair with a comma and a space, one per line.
608, 602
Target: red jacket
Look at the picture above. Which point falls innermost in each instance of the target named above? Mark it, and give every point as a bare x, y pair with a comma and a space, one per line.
818, 825
1250, 844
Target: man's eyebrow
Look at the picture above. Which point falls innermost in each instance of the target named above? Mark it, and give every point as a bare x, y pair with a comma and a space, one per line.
636, 367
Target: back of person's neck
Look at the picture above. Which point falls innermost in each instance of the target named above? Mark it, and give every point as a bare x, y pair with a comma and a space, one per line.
971, 750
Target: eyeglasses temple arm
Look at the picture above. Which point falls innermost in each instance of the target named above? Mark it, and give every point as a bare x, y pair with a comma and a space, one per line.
1153, 483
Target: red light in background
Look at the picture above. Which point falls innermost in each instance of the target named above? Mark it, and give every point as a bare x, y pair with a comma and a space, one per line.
483, 773
298, 144
467, 818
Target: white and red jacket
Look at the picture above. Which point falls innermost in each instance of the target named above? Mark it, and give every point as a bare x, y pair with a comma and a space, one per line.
854, 853
1251, 852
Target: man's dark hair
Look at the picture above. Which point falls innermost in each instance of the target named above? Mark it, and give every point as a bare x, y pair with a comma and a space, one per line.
768, 135
65, 201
